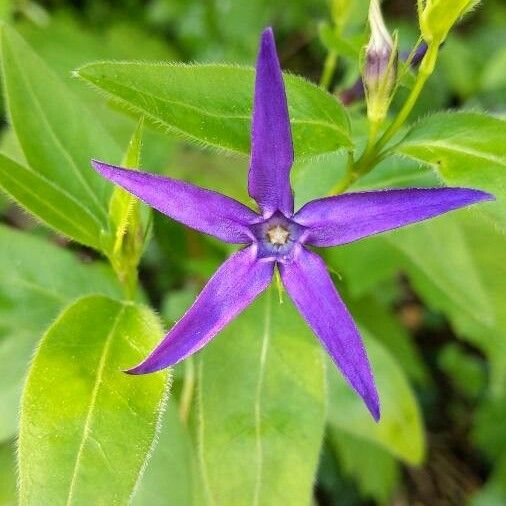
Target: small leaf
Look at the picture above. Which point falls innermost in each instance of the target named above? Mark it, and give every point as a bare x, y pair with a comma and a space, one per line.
58, 135
211, 104
86, 426
38, 281
450, 143
400, 430
122, 204
261, 404
375, 471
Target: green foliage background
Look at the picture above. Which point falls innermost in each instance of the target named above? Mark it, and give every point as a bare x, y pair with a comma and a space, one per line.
430, 299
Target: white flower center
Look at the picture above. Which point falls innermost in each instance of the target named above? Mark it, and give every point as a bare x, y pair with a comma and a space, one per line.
278, 235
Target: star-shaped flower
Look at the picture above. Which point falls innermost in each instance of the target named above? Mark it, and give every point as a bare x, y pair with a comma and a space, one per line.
276, 236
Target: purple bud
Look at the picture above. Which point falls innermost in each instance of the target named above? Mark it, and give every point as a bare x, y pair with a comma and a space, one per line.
380, 69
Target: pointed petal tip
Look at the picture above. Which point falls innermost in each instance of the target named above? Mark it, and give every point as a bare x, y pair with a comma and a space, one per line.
374, 408
470, 194
268, 32
143, 368
101, 167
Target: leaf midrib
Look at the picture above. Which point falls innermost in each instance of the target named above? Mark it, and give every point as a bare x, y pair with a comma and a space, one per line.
428, 143
258, 398
89, 418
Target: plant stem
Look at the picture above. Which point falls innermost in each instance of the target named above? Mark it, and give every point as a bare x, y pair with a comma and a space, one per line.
426, 70
329, 67
373, 152
187, 391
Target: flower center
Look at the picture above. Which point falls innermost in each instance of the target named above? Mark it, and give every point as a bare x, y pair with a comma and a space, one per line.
278, 235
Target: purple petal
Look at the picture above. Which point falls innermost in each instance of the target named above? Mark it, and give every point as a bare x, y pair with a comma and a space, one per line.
233, 287
309, 285
198, 208
271, 138
346, 218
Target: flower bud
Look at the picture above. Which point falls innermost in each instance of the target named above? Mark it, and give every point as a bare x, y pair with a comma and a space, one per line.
380, 69
437, 17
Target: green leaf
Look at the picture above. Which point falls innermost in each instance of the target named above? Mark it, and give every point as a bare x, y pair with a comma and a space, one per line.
211, 104
7, 475
374, 470
375, 316
171, 471
451, 144
38, 281
448, 265
261, 403
51, 203
86, 426
400, 430
59, 136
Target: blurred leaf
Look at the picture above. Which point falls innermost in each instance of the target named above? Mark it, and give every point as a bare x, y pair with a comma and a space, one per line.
261, 403
211, 104
494, 491
87, 427
467, 372
315, 176
375, 471
480, 243
171, 470
379, 320
449, 142
38, 280
7, 475
41, 107
345, 46
488, 431
400, 430
365, 264
449, 264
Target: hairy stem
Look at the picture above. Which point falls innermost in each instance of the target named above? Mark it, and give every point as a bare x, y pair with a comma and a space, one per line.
329, 67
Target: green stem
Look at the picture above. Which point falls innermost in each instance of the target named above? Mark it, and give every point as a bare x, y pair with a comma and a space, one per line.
187, 391
329, 67
426, 70
374, 152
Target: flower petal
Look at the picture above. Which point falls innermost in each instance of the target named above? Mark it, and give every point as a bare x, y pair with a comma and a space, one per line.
346, 218
233, 287
309, 285
271, 138
204, 210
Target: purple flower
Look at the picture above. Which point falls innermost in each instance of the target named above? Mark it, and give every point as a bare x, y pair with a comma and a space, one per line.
276, 236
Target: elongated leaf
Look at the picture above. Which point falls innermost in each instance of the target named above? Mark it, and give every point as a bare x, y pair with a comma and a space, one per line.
211, 104
49, 202
261, 404
86, 426
450, 143
58, 135
38, 280
171, 471
400, 430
